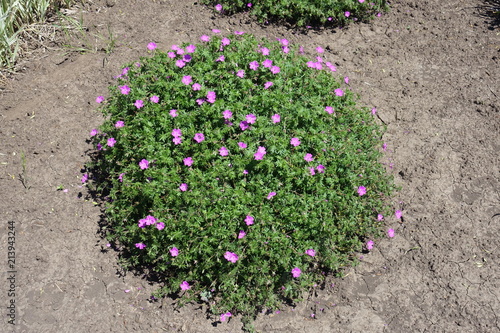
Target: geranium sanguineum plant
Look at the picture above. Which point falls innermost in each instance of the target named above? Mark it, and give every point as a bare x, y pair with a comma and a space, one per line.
243, 173
303, 12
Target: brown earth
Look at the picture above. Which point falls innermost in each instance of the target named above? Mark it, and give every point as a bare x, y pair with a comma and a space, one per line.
430, 67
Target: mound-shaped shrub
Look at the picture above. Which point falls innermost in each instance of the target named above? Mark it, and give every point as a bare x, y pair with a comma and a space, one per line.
304, 12
238, 170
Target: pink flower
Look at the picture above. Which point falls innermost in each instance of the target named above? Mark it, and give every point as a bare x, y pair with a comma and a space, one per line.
329, 109
311, 252
151, 46
239, 32
285, 49
374, 111
154, 99
296, 272
225, 41
264, 51
267, 63
361, 1
283, 42
275, 69
85, 177
241, 234
171, 54
250, 118
230, 256
183, 187
398, 214
223, 151
361, 190
276, 118
221, 58
320, 168
211, 97
390, 233
249, 220
173, 113
99, 99
258, 156
240, 73
347, 14
227, 114
268, 84
139, 103
140, 246
270, 195
215, 31
244, 125
218, 7
308, 157
346, 80
295, 142
224, 316
148, 220
190, 48
339, 92
174, 252
176, 132
196, 86
188, 161
111, 142
120, 176
242, 144
254, 65
369, 245
185, 285
199, 137
260, 153
205, 38
187, 80
245, 172
311, 171
119, 124
249, 4
93, 132
331, 67
380, 217
124, 89
180, 63
319, 49
160, 225
144, 164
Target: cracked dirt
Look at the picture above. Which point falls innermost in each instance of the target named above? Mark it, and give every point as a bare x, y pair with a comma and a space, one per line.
430, 67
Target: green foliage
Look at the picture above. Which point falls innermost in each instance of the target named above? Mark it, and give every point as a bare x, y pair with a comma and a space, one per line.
305, 12
320, 211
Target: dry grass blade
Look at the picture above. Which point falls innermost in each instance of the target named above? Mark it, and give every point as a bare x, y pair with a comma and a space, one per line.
16, 16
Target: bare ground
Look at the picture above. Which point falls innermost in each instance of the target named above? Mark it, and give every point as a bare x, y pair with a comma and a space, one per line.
430, 67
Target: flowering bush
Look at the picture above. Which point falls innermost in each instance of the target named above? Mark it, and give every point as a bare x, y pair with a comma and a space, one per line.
238, 170
303, 12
